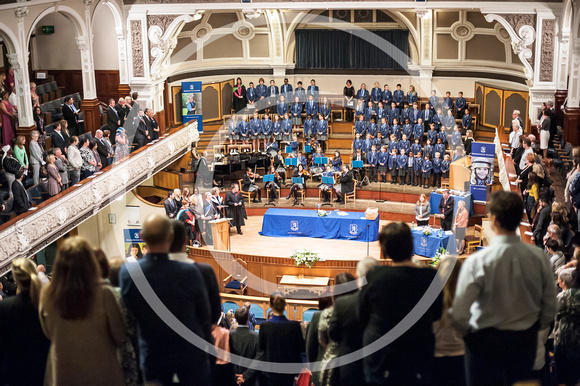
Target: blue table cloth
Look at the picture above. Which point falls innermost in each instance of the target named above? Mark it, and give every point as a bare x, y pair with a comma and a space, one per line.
435, 199
307, 223
428, 246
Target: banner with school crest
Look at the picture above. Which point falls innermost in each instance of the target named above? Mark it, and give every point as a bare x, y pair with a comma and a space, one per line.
482, 162
191, 103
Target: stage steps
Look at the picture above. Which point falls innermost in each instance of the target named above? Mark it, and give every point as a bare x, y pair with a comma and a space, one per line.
341, 128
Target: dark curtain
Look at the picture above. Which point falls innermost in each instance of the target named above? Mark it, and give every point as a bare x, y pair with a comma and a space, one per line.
358, 49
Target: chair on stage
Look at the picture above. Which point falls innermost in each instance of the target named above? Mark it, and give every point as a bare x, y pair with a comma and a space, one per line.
445, 183
351, 195
473, 241
301, 193
320, 194
245, 195
236, 281
279, 191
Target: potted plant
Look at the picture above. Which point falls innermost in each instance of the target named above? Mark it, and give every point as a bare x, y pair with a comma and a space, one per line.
306, 257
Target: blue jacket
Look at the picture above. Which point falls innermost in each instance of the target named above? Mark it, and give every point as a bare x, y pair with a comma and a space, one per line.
301, 94
408, 130
372, 158
417, 164
376, 94
302, 160
372, 129
261, 91
322, 127
392, 145
309, 126
396, 129
336, 164
233, 127
267, 125
363, 95
256, 126
404, 144
443, 136
251, 94
448, 103
416, 148
398, 96
418, 131
449, 121
394, 114
402, 161
438, 120
357, 143
311, 108
296, 108
277, 127
366, 146
387, 97
437, 165
272, 146
286, 126
466, 121
428, 150
445, 166
369, 113
432, 135
244, 128
381, 113
360, 110
412, 97
385, 129
415, 115
433, 101
426, 166
282, 108
456, 138
324, 109
286, 90
405, 113
383, 157
392, 163
294, 145
439, 147
427, 116
360, 127
274, 89
313, 90
460, 103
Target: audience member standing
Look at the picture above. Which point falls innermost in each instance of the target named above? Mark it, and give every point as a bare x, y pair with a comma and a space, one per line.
245, 343
81, 318
407, 360
21, 202
24, 346
8, 117
11, 166
164, 352
446, 207
75, 160
54, 181
71, 114
281, 341
545, 132
505, 294
36, 160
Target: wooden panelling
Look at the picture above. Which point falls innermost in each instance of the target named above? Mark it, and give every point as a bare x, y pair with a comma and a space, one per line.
107, 85
167, 180
71, 80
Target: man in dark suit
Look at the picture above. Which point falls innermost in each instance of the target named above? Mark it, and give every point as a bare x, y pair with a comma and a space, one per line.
113, 119
544, 219
59, 138
21, 201
236, 209
346, 183
171, 207
102, 148
245, 343
120, 107
180, 287
71, 114
151, 124
141, 135
446, 207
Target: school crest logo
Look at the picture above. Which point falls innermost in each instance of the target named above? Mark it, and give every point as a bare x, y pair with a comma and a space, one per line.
483, 149
294, 225
423, 241
353, 229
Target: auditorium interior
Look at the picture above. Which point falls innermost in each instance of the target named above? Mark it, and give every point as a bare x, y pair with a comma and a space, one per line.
502, 55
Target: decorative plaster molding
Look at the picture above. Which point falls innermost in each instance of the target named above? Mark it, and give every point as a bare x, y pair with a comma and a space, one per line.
157, 24
547, 50
54, 219
137, 49
21, 13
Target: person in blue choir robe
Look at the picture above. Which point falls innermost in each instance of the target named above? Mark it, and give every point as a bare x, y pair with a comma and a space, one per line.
357, 143
322, 131
256, 131
449, 122
277, 129
296, 113
273, 93
428, 149
416, 146
382, 162
286, 128
439, 147
456, 138
363, 94
466, 121
311, 106
387, 97
361, 109
433, 100
336, 162
286, 90
384, 128
262, 95
376, 95
372, 161
460, 104
438, 119
399, 96
309, 129
447, 103
392, 145
300, 92
360, 126
426, 169
432, 133
251, 96
325, 109
427, 114
445, 165
313, 90
294, 144
394, 113
404, 144
392, 164
410, 173
396, 129
402, 161
367, 144
412, 96
370, 112
381, 112
372, 128
417, 169
407, 128
437, 169
282, 106
405, 112
419, 130
415, 113
244, 130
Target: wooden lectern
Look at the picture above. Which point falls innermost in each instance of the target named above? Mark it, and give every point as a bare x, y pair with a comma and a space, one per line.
220, 231
459, 173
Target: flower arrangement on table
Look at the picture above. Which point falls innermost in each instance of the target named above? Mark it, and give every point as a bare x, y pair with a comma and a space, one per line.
306, 257
441, 254
427, 231
322, 213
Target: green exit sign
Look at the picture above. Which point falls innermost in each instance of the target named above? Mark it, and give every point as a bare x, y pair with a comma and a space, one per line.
47, 29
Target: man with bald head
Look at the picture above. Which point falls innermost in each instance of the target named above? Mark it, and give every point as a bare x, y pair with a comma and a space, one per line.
102, 148
180, 288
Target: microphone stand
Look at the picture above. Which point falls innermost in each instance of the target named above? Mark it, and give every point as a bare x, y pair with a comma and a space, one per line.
380, 191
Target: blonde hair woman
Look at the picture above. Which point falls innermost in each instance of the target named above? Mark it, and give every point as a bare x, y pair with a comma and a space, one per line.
54, 181
24, 345
422, 211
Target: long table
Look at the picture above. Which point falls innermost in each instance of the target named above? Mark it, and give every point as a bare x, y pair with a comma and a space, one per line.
306, 223
428, 246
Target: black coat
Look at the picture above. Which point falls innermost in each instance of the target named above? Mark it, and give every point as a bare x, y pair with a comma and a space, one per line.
141, 133
102, 150
245, 343
213, 291
346, 183
171, 207
281, 342
447, 210
236, 213
61, 142
543, 223
121, 112
151, 124
70, 117
21, 201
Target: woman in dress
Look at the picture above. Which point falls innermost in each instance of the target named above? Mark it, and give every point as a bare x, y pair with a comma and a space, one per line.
422, 211
459, 226
122, 145
239, 96
54, 181
39, 122
20, 151
8, 116
35, 98
348, 93
89, 163
96, 156
82, 319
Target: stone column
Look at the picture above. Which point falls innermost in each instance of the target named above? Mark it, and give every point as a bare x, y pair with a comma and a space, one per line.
572, 111
19, 62
124, 89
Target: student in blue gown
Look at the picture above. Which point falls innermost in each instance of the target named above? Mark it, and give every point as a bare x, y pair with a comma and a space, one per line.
294, 144
432, 133
286, 90
437, 169
438, 119
372, 128
372, 161
416, 146
382, 161
325, 109
262, 94
384, 128
426, 169
428, 149
402, 162
427, 114
392, 144
410, 172
286, 128
417, 169
359, 173
336, 162
326, 188
311, 106
456, 138
404, 144
317, 168
466, 121
379, 140
392, 164
360, 126
360, 109
419, 130
272, 147
370, 112
313, 90
244, 130
367, 144
445, 165
407, 128
449, 122
273, 93
405, 112
439, 146
282, 106
277, 129
233, 130
387, 97
381, 112
300, 92
415, 113
394, 113
251, 96
396, 129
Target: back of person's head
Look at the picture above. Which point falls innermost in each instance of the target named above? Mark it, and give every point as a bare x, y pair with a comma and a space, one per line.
157, 231
325, 300
103, 262
537, 168
343, 278
569, 277
552, 244
74, 278
242, 315
508, 208
115, 265
26, 278
277, 302
363, 266
179, 237
396, 242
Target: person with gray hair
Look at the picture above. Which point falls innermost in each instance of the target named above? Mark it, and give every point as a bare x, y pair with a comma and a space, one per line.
514, 137
516, 116
36, 159
363, 267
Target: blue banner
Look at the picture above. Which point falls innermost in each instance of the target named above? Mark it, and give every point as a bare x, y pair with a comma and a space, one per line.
132, 235
191, 103
482, 162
